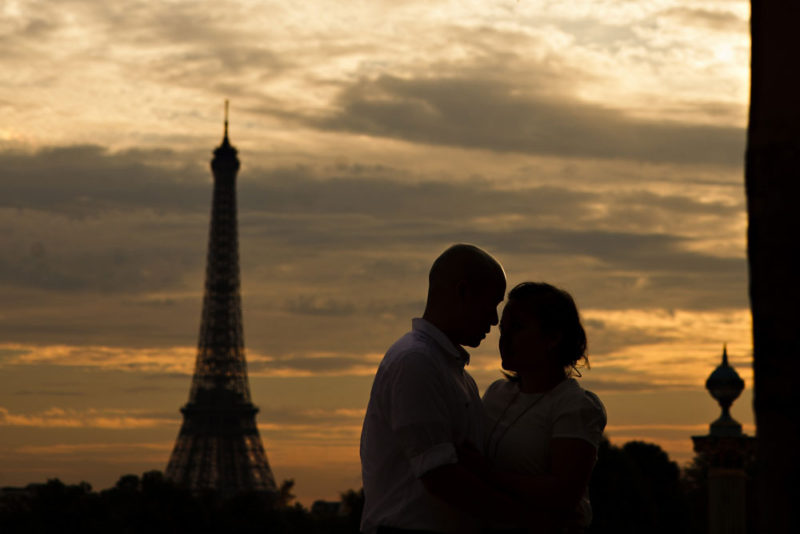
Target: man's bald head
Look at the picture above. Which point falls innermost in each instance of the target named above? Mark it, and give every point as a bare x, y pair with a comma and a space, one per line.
465, 285
462, 262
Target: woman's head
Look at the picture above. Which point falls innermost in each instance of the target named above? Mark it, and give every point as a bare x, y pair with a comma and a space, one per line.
541, 327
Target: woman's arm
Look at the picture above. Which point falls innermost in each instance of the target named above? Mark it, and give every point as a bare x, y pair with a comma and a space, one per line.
572, 461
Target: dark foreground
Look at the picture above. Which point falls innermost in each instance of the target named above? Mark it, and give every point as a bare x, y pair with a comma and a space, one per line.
635, 488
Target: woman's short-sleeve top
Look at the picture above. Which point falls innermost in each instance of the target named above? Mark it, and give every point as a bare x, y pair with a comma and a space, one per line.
521, 425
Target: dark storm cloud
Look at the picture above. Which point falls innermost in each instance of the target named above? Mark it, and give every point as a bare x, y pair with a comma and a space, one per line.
89, 180
496, 115
86, 180
83, 218
120, 269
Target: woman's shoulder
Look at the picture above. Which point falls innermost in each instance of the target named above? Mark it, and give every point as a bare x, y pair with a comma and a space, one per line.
579, 413
502, 387
573, 396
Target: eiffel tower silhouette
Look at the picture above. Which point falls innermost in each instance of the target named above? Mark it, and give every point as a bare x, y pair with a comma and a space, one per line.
219, 446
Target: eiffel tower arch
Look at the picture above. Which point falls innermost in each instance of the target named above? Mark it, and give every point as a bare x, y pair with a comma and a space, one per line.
219, 446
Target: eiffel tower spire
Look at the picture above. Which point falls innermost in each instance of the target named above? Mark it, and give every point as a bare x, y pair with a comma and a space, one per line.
219, 447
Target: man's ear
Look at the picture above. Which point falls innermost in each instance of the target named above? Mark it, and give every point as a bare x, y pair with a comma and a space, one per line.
462, 288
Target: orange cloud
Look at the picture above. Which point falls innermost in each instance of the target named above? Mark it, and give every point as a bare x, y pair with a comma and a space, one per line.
68, 449
687, 344
147, 360
67, 418
182, 360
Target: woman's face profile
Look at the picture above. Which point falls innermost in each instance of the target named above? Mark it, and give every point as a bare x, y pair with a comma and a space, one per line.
523, 345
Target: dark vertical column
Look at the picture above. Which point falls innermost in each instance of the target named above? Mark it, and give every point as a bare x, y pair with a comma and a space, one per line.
773, 192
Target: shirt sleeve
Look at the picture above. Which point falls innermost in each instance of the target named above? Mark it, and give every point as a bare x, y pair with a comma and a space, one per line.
582, 417
419, 414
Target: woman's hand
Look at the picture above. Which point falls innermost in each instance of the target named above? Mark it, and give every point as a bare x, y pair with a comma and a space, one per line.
472, 459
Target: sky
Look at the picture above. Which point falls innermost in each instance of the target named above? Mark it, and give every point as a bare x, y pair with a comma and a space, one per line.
595, 144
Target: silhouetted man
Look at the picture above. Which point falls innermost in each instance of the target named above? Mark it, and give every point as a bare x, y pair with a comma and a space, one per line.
424, 406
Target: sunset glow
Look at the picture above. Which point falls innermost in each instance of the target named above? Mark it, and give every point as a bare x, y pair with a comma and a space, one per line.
597, 145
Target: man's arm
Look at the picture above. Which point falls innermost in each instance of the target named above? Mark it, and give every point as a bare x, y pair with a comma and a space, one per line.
422, 425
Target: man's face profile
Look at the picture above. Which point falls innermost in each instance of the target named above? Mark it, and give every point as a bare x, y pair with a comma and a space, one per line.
480, 303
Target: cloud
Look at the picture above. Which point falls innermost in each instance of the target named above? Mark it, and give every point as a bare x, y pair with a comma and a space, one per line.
339, 249
130, 359
718, 20
676, 349
496, 115
315, 305
314, 364
91, 418
595, 145
92, 448
48, 393
280, 415
147, 220
113, 254
181, 361
86, 180
651, 350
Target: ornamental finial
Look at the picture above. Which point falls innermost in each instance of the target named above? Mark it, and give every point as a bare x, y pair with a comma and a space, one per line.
725, 385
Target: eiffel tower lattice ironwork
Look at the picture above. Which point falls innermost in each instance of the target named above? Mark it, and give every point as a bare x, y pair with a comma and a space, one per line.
219, 446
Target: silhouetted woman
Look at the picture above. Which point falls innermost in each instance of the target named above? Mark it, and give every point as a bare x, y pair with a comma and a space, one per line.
543, 427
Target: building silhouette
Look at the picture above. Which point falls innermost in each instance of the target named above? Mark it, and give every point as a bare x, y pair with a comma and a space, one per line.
219, 446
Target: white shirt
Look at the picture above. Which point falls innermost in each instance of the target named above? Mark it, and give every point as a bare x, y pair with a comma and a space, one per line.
423, 403
521, 425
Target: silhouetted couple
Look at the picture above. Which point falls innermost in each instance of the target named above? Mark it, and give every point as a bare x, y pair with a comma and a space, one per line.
435, 458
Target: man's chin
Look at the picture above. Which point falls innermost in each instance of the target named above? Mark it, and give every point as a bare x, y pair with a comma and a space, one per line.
474, 343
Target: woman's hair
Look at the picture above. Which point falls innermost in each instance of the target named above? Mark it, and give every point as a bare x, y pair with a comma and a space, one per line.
558, 317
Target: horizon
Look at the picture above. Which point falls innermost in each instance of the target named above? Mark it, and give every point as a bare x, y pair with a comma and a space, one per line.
597, 146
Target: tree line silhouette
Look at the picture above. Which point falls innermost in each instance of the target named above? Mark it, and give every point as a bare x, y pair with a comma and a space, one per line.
635, 488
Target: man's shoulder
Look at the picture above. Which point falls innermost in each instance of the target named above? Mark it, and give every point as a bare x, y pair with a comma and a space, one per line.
412, 349
410, 346
410, 360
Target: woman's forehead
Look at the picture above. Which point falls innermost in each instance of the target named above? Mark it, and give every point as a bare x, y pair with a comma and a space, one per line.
518, 310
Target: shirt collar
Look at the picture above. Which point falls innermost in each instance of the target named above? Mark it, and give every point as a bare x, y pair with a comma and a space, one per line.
429, 329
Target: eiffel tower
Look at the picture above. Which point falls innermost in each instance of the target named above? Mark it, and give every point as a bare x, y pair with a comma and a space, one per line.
219, 447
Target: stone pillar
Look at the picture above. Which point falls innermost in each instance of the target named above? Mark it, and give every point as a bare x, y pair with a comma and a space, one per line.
727, 452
